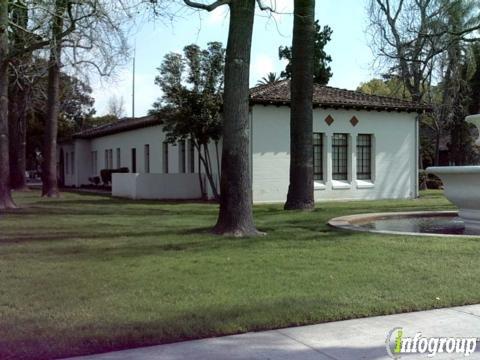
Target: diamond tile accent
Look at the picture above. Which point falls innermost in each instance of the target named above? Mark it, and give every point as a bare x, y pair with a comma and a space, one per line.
354, 121
329, 120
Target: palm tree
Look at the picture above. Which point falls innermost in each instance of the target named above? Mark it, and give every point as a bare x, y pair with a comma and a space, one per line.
300, 190
271, 78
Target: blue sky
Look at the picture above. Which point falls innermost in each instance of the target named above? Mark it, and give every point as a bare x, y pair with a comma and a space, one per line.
351, 57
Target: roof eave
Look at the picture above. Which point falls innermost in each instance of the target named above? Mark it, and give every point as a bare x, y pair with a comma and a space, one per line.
275, 102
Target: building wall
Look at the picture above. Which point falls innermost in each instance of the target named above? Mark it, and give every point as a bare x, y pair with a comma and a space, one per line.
394, 173
394, 149
126, 141
135, 139
69, 173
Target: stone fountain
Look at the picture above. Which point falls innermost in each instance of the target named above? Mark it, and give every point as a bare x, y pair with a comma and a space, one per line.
462, 186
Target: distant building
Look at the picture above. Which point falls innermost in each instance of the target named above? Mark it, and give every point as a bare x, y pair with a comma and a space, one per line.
364, 147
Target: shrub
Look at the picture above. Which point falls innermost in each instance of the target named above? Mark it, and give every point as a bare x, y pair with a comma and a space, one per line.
434, 182
106, 174
95, 180
428, 181
422, 179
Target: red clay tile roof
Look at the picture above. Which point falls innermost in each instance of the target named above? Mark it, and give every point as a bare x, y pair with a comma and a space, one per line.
278, 94
330, 97
122, 125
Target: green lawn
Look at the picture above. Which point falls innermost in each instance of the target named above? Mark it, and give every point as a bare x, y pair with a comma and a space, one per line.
86, 274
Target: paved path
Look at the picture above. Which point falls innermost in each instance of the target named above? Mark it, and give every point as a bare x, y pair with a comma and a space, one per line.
342, 340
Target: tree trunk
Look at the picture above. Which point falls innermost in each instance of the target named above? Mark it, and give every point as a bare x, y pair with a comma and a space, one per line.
17, 122
235, 216
436, 159
6, 201
19, 93
49, 171
207, 163
300, 190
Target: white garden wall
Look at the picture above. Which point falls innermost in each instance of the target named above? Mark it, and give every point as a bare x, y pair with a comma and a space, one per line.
156, 186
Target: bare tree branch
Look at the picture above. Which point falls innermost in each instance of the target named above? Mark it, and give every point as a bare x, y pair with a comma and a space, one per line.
209, 7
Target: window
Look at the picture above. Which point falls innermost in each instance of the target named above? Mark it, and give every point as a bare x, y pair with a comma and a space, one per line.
165, 157
182, 160
134, 160
110, 159
94, 163
72, 163
192, 156
147, 158
317, 156
340, 156
119, 162
364, 157
66, 163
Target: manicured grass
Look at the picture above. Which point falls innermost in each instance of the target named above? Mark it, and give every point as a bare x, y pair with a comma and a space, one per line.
86, 274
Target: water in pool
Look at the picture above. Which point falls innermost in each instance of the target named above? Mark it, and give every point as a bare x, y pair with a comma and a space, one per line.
428, 224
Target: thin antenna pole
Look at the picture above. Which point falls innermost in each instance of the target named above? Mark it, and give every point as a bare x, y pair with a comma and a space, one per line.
133, 81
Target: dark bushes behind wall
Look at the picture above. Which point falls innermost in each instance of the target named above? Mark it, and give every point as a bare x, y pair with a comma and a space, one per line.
106, 174
95, 180
429, 181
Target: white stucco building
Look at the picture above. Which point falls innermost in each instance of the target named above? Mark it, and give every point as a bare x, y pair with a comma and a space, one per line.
365, 147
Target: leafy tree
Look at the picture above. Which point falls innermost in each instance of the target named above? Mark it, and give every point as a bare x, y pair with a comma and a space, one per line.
300, 191
321, 69
458, 67
388, 86
474, 81
417, 51
75, 113
192, 87
270, 78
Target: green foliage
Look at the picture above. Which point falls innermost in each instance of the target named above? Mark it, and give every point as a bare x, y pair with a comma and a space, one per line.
94, 121
106, 174
270, 78
76, 109
192, 86
95, 180
321, 70
392, 87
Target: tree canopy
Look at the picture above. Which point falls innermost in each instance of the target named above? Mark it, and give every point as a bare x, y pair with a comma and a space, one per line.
321, 69
192, 86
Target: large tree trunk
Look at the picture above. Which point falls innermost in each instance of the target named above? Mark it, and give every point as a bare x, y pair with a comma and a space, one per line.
17, 122
18, 102
300, 191
236, 217
49, 168
6, 201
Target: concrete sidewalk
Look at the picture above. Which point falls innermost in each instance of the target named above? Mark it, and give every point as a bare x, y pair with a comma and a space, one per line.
341, 340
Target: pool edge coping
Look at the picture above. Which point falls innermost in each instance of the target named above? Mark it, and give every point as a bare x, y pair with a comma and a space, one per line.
350, 223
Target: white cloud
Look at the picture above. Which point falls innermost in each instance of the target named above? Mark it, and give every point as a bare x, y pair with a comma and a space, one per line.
261, 65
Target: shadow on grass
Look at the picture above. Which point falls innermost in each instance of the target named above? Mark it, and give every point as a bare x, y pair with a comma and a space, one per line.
55, 340
132, 245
